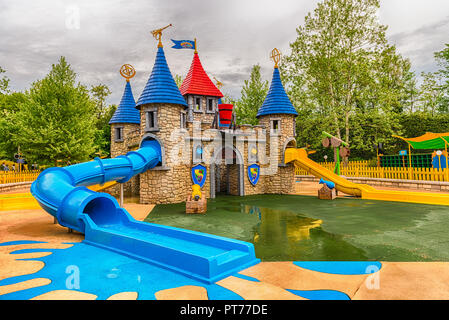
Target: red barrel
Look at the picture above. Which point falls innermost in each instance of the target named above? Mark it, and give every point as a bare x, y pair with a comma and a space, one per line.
225, 111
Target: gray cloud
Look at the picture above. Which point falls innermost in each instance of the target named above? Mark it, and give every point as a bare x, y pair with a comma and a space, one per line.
232, 36
420, 44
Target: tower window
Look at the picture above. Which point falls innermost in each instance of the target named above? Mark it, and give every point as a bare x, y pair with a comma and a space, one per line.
252, 153
151, 123
183, 120
197, 105
197, 152
275, 126
210, 105
118, 135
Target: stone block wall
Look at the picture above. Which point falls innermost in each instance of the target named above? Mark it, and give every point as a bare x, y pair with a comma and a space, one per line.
129, 132
283, 180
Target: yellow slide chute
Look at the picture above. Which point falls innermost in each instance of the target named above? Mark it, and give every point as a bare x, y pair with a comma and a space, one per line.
299, 158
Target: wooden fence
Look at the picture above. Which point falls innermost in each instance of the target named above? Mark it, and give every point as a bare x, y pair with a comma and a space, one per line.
361, 169
14, 177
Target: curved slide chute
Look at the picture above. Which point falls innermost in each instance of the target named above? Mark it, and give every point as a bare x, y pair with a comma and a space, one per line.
62, 192
300, 158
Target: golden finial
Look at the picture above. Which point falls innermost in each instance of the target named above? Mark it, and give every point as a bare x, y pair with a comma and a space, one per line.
196, 51
276, 57
127, 71
219, 84
157, 34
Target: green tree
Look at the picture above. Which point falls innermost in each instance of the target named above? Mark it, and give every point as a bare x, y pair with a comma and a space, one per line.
411, 93
442, 58
104, 113
57, 120
4, 82
103, 136
431, 93
178, 80
253, 93
99, 94
341, 64
9, 104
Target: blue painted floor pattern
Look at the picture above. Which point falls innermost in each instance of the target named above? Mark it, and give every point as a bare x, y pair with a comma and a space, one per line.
97, 271
341, 267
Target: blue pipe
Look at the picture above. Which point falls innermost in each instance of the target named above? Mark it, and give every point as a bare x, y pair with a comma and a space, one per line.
62, 192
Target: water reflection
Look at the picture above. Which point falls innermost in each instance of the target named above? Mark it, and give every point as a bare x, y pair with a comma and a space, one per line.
292, 228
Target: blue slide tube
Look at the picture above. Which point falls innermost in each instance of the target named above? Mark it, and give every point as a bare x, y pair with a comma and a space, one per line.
62, 192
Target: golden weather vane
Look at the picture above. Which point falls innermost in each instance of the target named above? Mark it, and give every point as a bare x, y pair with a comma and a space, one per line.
275, 56
127, 71
157, 34
219, 84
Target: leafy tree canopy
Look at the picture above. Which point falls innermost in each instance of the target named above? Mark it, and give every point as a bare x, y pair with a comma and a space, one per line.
253, 93
57, 119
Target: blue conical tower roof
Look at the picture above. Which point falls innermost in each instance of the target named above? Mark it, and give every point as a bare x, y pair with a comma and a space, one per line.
277, 101
126, 111
161, 88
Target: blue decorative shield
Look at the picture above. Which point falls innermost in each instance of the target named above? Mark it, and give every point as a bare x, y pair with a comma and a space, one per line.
254, 173
199, 174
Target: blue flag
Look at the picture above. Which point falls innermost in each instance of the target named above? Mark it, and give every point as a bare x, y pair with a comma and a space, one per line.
183, 44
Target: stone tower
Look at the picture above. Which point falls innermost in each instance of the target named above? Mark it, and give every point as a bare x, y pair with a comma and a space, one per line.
202, 97
162, 112
125, 125
278, 116
200, 93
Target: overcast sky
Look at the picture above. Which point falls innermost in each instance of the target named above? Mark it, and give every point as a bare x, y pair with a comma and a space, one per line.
233, 35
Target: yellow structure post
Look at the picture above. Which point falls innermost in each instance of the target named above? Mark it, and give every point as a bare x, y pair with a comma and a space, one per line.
446, 170
410, 161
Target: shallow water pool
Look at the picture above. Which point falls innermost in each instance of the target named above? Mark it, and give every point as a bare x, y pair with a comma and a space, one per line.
289, 227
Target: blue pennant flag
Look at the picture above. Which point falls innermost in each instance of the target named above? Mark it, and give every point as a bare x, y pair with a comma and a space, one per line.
183, 44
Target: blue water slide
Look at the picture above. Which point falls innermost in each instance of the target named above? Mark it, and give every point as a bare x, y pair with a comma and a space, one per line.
62, 192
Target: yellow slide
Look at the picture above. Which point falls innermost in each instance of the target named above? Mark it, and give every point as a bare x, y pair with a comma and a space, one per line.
299, 158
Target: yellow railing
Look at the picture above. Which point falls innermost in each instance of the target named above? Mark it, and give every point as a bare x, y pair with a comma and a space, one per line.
14, 177
361, 169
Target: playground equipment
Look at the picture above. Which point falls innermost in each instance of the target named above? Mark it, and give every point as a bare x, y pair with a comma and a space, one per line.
299, 158
439, 159
327, 192
196, 192
62, 193
196, 203
329, 184
336, 143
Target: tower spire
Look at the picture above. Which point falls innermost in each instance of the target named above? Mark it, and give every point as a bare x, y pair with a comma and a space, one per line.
276, 101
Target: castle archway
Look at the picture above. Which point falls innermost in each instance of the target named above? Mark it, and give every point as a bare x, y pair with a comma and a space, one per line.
227, 172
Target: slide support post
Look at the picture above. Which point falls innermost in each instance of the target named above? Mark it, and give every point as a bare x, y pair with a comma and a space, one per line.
121, 195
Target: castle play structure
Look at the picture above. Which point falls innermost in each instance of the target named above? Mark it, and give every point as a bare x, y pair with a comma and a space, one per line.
213, 152
171, 139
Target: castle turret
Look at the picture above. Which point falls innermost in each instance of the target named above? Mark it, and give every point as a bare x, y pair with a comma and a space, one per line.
278, 116
162, 112
125, 122
200, 92
125, 127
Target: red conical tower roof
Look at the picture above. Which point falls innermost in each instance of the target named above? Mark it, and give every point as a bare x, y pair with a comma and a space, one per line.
198, 82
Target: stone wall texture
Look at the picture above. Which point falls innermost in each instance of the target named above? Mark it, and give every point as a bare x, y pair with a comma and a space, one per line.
130, 133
